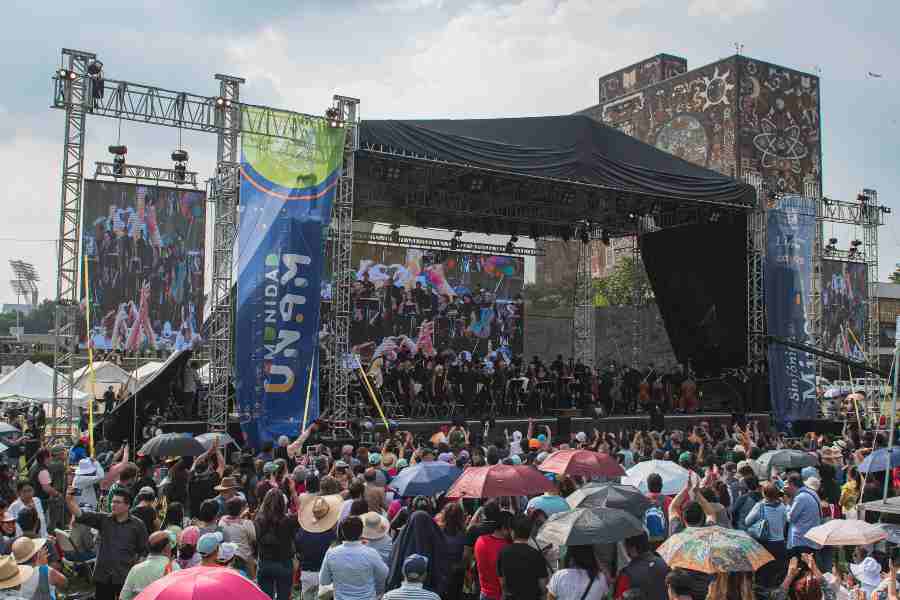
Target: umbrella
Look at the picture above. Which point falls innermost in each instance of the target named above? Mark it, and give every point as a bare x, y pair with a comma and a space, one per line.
611, 495
206, 439
7, 428
787, 459
878, 460
202, 583
172, 444
674, 477
425, 479
588, 526
714, 550
583, 463
841, 532
499, 480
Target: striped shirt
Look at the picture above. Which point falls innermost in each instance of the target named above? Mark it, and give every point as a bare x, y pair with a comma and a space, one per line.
410, 591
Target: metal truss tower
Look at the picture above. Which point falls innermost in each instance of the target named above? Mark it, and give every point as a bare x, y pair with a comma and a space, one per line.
224, 188
756, 245
341, 239
75, 92
584, 315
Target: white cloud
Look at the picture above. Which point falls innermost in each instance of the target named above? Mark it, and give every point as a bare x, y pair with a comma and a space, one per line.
389, 6
726, 10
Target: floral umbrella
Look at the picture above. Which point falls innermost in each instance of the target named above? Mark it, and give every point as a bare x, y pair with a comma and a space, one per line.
714, 550
583, 463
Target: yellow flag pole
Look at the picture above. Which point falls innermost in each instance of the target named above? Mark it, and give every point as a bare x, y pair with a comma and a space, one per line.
309, 379
365, 379
90, 349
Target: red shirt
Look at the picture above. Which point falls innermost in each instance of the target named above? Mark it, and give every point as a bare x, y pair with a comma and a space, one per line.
666, 501
487, 550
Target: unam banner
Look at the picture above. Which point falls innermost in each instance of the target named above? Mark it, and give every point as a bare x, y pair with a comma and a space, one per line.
788, 280
287, 188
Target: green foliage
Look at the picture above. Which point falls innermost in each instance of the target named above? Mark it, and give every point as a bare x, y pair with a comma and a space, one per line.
40, 320
551, 300
619, 287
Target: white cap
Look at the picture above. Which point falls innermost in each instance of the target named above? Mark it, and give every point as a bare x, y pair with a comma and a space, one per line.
581, 437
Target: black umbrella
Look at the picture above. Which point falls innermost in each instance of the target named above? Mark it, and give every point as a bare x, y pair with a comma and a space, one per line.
588, 526
172, 444
611, 495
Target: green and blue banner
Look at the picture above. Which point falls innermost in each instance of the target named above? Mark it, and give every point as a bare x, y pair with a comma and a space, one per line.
791, 230
287, 188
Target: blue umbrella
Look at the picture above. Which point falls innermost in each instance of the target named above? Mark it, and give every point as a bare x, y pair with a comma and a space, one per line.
878, 460
425, 479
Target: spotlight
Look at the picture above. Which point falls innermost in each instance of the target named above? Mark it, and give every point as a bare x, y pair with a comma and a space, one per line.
95, 68
334, 117
180, 157
833, 241
856, 243
632, 216
222, 102
62, 74
604, 237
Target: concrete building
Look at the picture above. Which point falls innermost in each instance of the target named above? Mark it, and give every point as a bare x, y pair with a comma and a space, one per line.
888, 311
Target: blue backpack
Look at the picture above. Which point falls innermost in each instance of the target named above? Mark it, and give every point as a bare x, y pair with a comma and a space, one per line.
655, 523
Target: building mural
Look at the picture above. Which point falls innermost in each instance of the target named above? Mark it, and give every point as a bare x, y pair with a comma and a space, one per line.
735, 116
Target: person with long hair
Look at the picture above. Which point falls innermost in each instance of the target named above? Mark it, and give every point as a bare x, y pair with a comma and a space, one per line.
174, 520
774, 512
581, 579
453, 524
275, 531
733, 586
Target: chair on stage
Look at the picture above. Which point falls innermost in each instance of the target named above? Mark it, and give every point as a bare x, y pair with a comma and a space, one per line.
454, 407
392, 407
516, 395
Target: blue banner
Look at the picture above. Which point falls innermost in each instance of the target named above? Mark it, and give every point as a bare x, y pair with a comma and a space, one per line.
287, 188
791, 229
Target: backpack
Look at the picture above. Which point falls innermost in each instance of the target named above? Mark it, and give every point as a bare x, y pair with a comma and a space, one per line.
655, 523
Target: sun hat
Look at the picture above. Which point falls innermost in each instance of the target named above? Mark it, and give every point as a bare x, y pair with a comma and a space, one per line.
24, 549
86, 467
812, 483
11, 574
868, 572
320, 513
209, 543
228, 483
189, 536
415, 567
375, 526
227, 550
8, 517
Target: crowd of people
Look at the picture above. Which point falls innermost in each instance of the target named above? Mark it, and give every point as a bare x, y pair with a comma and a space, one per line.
307, 518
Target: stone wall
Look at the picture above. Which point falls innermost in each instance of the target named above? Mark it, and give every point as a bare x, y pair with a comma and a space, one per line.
548, 336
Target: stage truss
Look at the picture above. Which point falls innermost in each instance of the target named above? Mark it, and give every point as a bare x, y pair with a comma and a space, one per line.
80, 93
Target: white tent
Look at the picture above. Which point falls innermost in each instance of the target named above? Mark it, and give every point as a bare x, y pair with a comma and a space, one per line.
32, 382
105, 374
146, 370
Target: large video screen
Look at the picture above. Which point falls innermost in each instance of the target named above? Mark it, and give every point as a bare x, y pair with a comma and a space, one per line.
844, 307
406, 301
145, 252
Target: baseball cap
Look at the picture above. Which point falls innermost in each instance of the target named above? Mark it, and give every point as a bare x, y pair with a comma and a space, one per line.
807, 472
190, 535
269, 468
415, 566
209, 542
227, 551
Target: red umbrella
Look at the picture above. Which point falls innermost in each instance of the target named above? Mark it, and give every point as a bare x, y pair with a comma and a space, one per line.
583, 463
499, 480
202, 583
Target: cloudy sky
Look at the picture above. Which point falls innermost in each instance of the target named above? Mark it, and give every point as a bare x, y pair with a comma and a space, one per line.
424, 58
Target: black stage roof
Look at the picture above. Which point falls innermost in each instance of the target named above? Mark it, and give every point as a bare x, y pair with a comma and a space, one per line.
574, 148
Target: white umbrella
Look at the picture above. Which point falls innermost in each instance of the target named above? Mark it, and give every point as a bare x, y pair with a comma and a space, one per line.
674, 477
207, 439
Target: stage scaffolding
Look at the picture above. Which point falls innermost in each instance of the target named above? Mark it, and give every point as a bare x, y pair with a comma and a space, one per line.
80, 89
583, 323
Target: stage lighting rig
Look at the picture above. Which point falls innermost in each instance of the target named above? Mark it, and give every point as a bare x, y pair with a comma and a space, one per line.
118, 151
66, 74
334, 117
455, 240
222, 102
180, 157
511, 244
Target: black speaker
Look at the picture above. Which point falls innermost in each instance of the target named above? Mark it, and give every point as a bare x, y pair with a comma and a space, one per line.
563, 428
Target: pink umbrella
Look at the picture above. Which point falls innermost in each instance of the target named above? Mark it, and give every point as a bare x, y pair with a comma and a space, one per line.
583, 463
202, 583
499, 480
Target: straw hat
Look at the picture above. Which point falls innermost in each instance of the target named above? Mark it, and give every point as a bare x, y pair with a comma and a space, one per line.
228, 483
24, 549
320, 513
11, 574
375, 526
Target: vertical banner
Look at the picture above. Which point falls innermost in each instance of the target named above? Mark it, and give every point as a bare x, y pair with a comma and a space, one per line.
791, 222
287, 188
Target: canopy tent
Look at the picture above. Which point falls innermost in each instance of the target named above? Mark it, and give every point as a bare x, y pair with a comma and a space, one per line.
105, 374
33, 382
146, 370
570, 147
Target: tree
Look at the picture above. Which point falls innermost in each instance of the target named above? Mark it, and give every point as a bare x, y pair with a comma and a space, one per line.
619, 287
551, 300
895, 276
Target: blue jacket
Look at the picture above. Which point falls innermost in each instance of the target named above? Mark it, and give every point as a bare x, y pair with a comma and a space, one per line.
803, 514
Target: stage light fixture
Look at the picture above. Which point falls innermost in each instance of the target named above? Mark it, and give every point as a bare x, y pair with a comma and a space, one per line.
833, 241
62, 73
392, 173
856, 243
118, 151
334, 117
180, 157
477, 184
632, 216
222, 102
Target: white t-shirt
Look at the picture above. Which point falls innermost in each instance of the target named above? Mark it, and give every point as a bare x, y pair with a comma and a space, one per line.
569, 584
